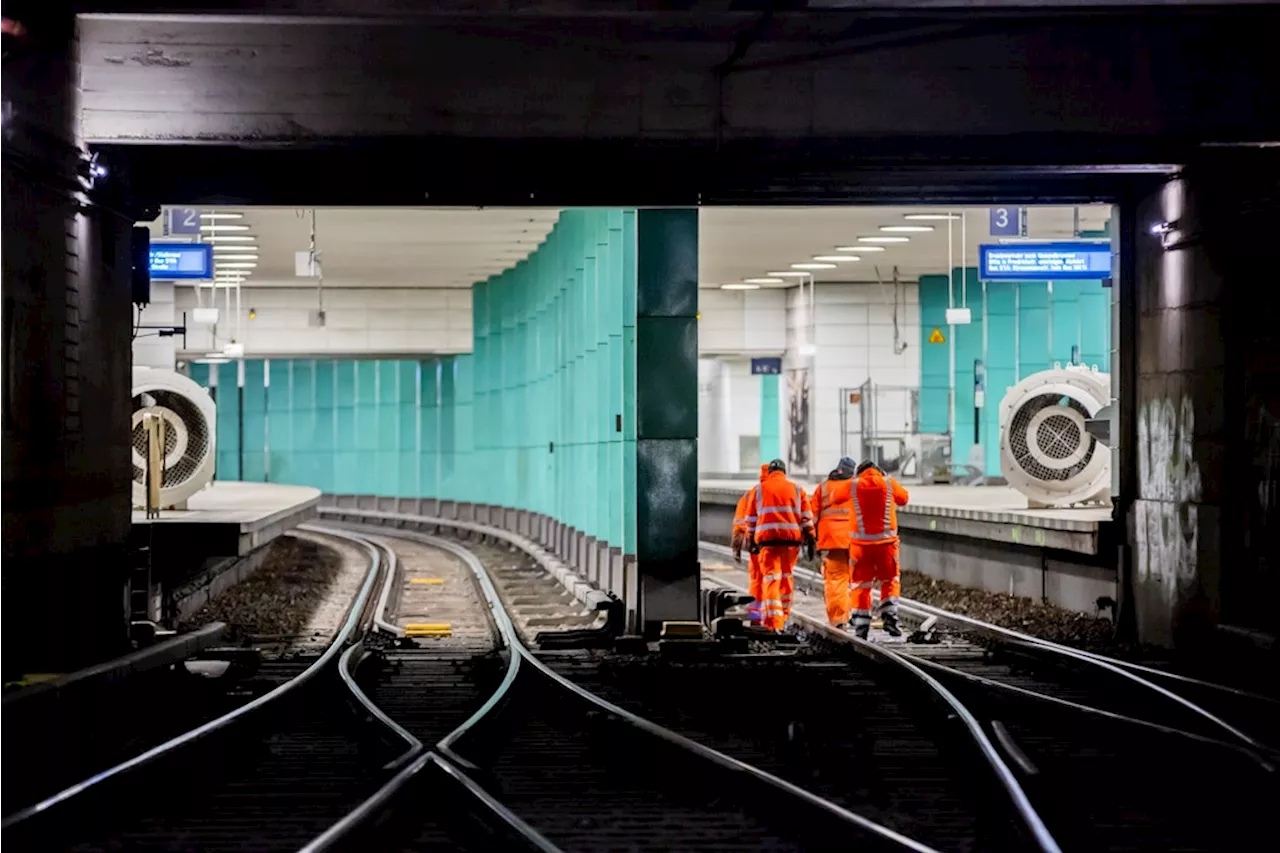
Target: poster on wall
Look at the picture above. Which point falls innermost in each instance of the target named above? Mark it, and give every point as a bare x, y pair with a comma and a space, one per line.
798, 394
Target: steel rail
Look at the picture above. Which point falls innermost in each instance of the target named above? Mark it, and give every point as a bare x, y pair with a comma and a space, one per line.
416, 757
220, 723
520, 652
1027, 813
1027, 641
1120, 669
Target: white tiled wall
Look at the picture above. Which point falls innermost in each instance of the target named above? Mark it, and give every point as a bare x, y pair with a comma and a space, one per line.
358, 321
741, 321
149, 349
854, 334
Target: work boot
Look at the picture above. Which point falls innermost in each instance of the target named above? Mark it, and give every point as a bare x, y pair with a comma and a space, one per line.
843, 626
862, 631
891, 626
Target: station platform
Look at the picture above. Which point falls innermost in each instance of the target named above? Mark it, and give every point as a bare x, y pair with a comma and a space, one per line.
231, 518
984, 537
220, 538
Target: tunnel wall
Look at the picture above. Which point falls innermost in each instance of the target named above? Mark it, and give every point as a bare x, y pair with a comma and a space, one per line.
66, 316
1207, 415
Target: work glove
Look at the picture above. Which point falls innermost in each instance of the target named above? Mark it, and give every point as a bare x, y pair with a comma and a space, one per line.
753, 546
737, 553
810, 546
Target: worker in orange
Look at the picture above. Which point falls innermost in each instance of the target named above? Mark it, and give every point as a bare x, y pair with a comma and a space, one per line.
755, 614
831, 502
779, 523
873, 536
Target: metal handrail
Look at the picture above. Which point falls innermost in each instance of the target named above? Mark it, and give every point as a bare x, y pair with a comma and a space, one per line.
1021, 802
220, 723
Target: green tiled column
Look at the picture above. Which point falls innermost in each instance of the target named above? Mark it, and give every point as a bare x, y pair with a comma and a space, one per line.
429, 429
770, 415
667, 415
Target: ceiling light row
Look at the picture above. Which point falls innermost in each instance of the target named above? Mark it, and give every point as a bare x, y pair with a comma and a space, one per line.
873, 243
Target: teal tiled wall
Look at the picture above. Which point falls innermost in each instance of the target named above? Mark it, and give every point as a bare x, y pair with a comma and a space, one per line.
1028, 327
539, 416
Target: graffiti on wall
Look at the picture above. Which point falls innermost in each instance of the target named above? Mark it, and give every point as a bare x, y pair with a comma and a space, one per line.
1169, 488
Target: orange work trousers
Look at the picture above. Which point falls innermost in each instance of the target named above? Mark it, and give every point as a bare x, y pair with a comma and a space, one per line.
755, 587
836, 577
776, 563
876, 565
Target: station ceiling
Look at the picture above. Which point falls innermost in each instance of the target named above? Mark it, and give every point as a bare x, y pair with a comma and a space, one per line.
455, 247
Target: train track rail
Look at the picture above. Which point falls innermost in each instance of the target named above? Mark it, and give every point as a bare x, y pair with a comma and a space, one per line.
267, 775
572, 771
1101, 779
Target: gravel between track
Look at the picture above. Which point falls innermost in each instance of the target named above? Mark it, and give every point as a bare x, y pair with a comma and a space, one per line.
298, 596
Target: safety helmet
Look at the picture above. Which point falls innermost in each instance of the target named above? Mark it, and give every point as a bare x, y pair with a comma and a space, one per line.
846, 464
868, 464
777, 465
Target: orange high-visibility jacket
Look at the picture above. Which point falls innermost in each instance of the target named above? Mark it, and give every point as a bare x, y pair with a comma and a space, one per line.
778, 512
740, 513
875, 514
832, 502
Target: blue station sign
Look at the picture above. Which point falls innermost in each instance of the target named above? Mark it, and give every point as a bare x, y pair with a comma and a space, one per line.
1044, 261
766, 366
171, 261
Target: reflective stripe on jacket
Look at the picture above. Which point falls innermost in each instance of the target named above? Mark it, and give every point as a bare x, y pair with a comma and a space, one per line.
778, 512
832, 502
875, 515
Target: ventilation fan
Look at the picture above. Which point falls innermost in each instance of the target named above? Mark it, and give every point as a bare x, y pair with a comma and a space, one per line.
1046, 450
188, 414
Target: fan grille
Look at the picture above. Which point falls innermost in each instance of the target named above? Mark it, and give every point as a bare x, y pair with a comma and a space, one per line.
1057, 437
197, 438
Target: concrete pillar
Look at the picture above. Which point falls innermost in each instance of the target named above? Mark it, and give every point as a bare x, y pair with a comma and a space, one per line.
666, 414
1207, 409
66, 406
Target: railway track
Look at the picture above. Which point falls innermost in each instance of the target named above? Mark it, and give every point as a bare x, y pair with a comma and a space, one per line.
1102, 779
269, 774
575, 772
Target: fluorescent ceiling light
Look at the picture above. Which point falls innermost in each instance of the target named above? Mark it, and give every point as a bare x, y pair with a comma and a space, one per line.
743, 286
931, 217
235, 265
837, 259
884, 239
224, 227
762, 281
222, 216
906, 229
860, 249
235, 258
217, 360
230, 238
791, 274
813, 266
239, 248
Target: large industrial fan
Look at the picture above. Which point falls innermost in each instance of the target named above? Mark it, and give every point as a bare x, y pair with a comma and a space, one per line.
187, 412
1046, 449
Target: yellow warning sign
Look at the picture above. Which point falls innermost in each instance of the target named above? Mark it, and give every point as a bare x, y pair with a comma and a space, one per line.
936, 337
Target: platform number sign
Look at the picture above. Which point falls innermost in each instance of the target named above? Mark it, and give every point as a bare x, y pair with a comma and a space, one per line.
1005, 222
184, 220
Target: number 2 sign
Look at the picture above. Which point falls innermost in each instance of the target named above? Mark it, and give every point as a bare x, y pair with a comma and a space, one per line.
184, 220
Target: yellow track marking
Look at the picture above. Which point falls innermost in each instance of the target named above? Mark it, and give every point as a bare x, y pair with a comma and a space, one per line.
426, 580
